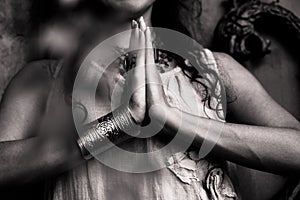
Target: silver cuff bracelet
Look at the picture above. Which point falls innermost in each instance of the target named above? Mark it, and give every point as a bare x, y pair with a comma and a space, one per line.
106, 132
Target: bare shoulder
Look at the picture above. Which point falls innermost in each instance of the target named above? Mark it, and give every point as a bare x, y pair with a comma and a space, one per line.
35, 72
35, 76
28, 88
225, 64
223, 57
25, 100
236, 78
229, 70
228, 65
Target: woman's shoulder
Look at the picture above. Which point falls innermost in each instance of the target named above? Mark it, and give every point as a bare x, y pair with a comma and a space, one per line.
219, 61
40, 70
227, 63
34, 79
228, 67
230, 72
223, 59
25, 99
38, 73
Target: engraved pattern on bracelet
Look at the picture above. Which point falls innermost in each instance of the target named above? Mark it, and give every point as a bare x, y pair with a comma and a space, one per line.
108, 128
99, 132
123, 120
84, 152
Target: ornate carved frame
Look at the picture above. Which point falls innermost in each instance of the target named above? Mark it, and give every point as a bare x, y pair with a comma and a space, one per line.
236, 32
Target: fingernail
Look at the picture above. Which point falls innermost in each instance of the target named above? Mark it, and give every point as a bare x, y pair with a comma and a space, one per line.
140, 19
134, 24
142, 23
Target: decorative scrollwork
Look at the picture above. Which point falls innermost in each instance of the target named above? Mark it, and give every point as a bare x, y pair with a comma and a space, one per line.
236, 32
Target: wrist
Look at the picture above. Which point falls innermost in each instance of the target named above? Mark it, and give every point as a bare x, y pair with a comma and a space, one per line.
165, 115
173, 122
60, 153
137, 113
106, 132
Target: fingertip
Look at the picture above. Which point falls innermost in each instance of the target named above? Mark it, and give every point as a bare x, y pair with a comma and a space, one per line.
148, 30
134, 24
142, 23
134, 35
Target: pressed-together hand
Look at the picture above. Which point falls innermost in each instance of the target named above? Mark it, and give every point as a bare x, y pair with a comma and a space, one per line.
135, 81
158, 108
144, 79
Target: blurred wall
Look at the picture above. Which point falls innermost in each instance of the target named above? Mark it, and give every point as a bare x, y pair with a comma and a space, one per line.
14, 27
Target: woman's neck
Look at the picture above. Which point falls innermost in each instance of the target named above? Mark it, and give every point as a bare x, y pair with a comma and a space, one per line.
99, 29
93, 31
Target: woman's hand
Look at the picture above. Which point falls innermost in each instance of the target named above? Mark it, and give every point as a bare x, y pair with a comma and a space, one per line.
144, 79
135, 81
159, 109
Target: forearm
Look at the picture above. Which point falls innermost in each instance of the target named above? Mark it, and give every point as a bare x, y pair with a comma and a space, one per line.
264, 148
51, 153
28, 160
